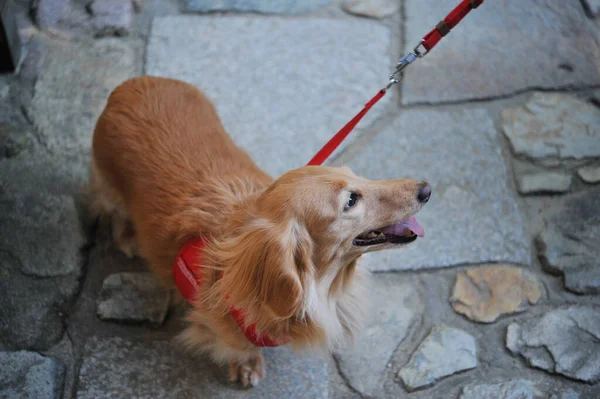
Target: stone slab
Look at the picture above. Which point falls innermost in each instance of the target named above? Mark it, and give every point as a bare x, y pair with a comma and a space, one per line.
43, 233
445, 351
544, 182
485, 293
282, 87
501, 48
32, 309
555, 126
63, 17
395, 306
371, 8
73, 19
592, 6
56, 174
114, 368
516, 389
111, 17
473, 216
569, 243
71, 92
261, 6
133, 296
589, 174
30, 375
40, 263
65, 353
563, 341
14, 139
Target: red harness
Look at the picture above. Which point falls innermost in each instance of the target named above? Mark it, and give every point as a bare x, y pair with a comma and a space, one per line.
188, 280
188, 262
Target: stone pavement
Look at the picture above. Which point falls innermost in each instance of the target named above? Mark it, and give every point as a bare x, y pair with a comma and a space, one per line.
501, 299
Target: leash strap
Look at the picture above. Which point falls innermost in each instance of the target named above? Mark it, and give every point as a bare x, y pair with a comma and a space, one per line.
447, 24
427, 43
336, 140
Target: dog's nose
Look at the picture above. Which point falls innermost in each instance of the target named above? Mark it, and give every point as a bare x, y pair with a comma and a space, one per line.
424, 193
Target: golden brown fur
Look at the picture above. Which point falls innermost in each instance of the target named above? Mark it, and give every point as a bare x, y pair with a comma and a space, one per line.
165, 171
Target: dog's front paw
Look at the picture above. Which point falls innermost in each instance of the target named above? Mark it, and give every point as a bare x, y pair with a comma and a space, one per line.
249, 373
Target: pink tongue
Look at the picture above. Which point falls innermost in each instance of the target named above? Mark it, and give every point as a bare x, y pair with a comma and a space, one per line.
400, 228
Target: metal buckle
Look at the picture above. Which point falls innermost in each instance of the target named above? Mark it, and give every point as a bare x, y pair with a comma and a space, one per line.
420, 53
406, 61
402, 63
392, 82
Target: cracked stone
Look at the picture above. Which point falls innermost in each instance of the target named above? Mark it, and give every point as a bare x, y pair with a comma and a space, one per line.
267, 7
132, 296
64, 353
111, 17
445, 351
544, 182
569, 243
553, 125
566, 394
7, 108
43, 233
13, 140
589, 174
515, 389
473, 63
25, 25
55, 174
593, 6
30, 375
40, 264
71, 92
563, 341
271, 90
65, 17
31, 308
465, 188
484, 294
371, 8
156, 369
395, 306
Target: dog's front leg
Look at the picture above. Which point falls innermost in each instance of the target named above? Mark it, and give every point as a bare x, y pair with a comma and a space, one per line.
248, 372
225, 343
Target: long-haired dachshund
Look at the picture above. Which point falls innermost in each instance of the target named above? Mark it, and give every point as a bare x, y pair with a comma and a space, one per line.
282, 251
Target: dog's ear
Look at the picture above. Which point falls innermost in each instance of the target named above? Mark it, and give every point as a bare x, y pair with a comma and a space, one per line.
265, 267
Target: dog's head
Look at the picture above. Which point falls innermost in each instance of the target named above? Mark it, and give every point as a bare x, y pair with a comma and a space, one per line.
344, 213
311, 223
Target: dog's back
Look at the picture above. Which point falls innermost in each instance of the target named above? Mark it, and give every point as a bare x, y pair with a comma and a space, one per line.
159, 143
167, 127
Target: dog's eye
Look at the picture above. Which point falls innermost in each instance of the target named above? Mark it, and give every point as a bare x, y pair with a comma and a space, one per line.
352, 200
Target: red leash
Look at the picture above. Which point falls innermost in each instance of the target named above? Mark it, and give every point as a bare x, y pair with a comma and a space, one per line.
428, 43
188, 262
336, 140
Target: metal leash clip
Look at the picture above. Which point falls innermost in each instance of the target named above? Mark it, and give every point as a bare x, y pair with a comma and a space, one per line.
406, 61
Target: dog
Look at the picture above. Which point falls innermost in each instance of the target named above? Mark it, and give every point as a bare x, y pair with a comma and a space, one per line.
282, 251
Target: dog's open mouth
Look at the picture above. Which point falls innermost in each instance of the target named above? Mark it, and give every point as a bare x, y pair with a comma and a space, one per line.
399, 233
